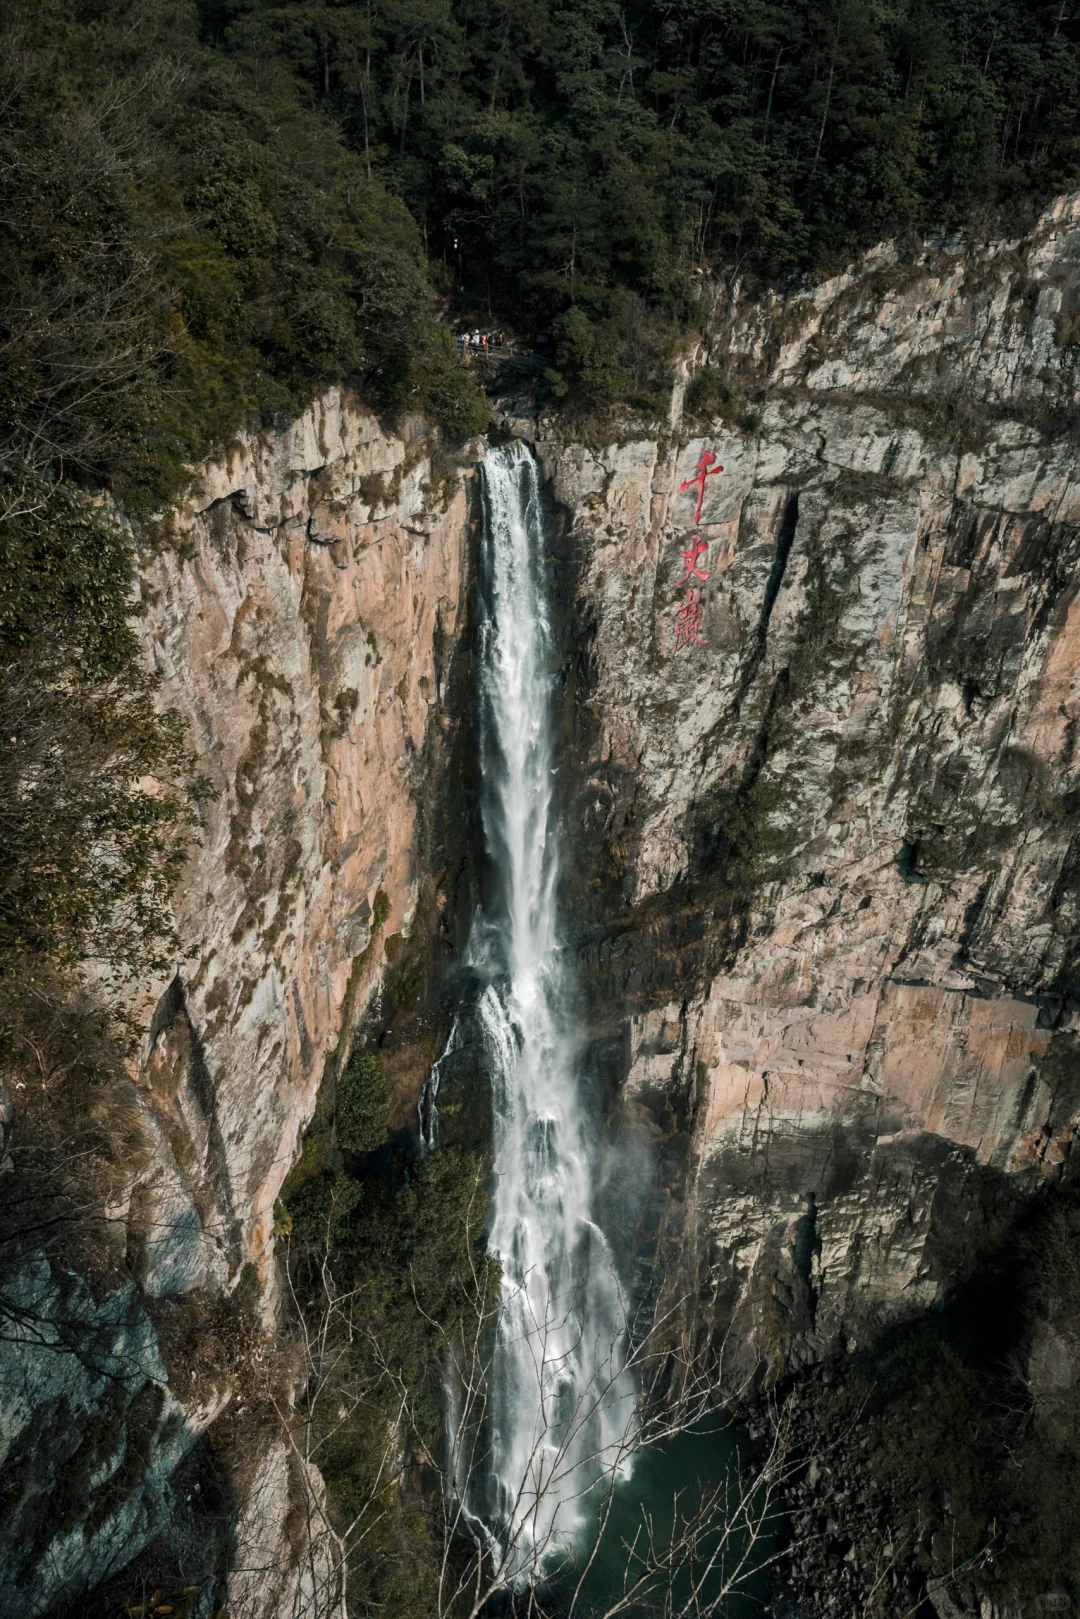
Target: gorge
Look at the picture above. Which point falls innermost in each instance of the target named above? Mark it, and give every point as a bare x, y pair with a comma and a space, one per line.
809, 888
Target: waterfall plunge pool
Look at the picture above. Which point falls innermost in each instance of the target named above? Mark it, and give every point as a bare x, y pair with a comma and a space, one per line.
692, 1467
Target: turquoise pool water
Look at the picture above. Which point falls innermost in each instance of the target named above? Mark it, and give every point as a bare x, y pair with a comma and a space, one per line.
668, 1484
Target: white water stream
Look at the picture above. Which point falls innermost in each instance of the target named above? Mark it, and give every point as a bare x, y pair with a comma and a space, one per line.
560, 1403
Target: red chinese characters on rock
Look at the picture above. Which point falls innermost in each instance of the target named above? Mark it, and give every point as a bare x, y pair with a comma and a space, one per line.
688, 620
707, 467
690, 557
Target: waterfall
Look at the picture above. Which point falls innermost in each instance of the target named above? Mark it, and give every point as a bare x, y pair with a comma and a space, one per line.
559, 1401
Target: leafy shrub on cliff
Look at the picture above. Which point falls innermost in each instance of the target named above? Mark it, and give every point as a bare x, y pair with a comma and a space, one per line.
710, 394
417, 1248
317, 1209
459, 406
363, 1103
412, 1247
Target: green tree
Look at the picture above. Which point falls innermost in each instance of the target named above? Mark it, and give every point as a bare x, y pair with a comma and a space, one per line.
555, 153
363, 1103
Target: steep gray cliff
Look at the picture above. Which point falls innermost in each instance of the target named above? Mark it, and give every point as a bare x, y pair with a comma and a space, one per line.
833, 871
301, 606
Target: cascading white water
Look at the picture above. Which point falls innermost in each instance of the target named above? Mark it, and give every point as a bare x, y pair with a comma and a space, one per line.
560, 1401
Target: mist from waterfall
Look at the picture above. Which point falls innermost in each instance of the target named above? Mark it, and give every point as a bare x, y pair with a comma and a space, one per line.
560, 1402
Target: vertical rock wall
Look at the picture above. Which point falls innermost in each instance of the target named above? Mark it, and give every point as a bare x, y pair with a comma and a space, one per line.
302, 606
826, 887
831, 862
302, 614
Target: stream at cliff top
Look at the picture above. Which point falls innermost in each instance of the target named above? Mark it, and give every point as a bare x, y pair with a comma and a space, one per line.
560, 1402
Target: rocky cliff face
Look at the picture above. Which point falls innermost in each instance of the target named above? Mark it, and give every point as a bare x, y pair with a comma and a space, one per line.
826, 884
834, 872
301, 616
301, 606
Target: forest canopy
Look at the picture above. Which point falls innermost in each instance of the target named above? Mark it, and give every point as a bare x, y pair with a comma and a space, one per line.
591, 154
183, 248
209, 209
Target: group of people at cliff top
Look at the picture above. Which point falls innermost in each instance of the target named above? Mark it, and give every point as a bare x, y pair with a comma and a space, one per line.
477, 340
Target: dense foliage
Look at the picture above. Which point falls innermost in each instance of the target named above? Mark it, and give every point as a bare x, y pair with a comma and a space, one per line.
183, 245
387, 1267
363, 1103
576, 160
209, 208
